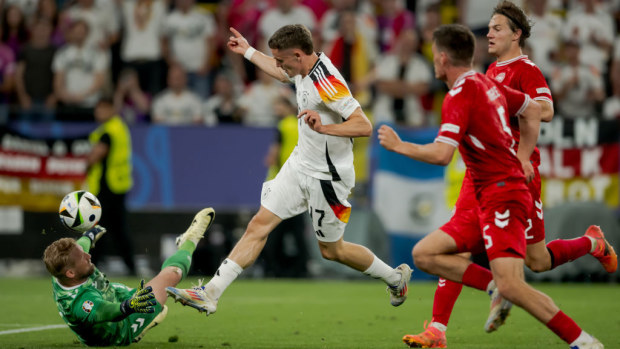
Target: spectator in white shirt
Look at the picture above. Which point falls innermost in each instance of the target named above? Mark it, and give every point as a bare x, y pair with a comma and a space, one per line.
611, 106
176, 105
141, 47
79, 74
403, 76
285, 12
594, 29
546, 35
257, 102
189, 41
576, 87
102, 19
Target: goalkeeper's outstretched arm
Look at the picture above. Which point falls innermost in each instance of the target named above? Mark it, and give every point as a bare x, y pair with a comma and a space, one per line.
143, 301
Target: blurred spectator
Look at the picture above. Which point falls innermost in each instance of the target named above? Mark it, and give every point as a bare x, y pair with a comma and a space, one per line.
283, 13
48, 9
394, 19
257, 102
403, 76
131, 102
222, 107
475, 14
594, 30
286, 252
242, 15
353, 56
14, 32
34, 76
189, 41
109, 178
330, 23
546, 34
141, 45
28, 7
577, 87
177, 105
482, 58
611, 106
102, 19
7, 79
318, 7
431, 20
79, 74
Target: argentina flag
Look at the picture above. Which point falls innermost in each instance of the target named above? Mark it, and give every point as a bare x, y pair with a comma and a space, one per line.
409, 196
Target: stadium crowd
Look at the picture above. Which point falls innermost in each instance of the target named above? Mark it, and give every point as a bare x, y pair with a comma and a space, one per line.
165, 61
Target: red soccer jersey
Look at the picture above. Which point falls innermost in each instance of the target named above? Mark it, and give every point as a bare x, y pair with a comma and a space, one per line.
475, 116
522, 75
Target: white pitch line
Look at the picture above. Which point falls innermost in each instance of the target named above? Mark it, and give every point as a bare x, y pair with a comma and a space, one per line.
32, 329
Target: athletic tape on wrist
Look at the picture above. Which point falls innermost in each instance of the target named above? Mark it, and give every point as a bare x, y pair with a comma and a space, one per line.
249, 52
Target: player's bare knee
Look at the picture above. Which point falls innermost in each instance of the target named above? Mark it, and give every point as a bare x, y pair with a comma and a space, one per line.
537, 266
421, 258
329, 253
510, 289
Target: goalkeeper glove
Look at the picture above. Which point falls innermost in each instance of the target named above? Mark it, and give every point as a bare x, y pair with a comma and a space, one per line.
94, 234
143, 301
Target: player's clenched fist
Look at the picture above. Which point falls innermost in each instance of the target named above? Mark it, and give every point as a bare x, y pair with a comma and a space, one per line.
388, 137
237, 43
143, 301
312, 118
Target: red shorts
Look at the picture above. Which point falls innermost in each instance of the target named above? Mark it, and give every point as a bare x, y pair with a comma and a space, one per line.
464, 228
503, 219
535, 226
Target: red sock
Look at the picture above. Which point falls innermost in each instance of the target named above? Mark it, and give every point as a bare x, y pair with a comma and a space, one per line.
564, 327
477, 277
445, 296
563, 251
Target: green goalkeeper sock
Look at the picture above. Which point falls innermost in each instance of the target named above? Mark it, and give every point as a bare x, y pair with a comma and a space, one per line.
182, 259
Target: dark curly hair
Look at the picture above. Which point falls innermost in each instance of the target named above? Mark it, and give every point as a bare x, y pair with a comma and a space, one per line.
517, 19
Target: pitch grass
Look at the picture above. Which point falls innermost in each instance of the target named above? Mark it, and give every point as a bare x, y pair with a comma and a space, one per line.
319, 314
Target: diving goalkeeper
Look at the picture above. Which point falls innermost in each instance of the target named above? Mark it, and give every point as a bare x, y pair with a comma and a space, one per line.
104, 313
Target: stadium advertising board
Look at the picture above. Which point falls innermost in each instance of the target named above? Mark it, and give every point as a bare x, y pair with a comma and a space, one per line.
174, 168
35, 173
580, 161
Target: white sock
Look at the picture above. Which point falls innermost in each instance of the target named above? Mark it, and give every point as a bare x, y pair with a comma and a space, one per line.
583, 338
490, 287
593, 242
224, 276
379, 270
441, 327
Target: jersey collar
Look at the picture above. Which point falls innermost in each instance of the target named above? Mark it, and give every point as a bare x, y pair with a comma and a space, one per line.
69, 288
463, 76
499, 64
316, 64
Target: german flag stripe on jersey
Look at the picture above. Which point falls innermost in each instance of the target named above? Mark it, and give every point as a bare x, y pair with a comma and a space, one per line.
341, 211
330, 88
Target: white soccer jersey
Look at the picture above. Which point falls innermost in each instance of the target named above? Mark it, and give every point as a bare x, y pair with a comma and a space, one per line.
321, 156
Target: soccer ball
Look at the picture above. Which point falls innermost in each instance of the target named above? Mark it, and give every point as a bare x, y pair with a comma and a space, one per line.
79, 210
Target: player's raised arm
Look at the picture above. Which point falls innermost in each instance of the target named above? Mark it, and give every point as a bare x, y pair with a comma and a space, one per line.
238, 44
436, 153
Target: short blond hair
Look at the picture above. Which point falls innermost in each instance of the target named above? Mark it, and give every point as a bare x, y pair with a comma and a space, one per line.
56, 256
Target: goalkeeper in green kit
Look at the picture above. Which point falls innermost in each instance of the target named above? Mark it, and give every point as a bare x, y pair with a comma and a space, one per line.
104, 313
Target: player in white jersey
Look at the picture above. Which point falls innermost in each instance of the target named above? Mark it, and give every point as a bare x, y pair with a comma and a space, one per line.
317, 177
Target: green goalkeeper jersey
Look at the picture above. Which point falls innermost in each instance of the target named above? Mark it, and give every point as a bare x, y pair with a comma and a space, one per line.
92, 310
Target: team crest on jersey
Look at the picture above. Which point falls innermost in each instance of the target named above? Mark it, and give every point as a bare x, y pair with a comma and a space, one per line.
500, 77
304, 100
87, 306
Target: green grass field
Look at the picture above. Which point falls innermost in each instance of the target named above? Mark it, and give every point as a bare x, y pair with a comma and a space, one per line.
318, 314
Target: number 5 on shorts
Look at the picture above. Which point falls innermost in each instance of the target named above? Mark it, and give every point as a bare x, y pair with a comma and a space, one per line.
488, 242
